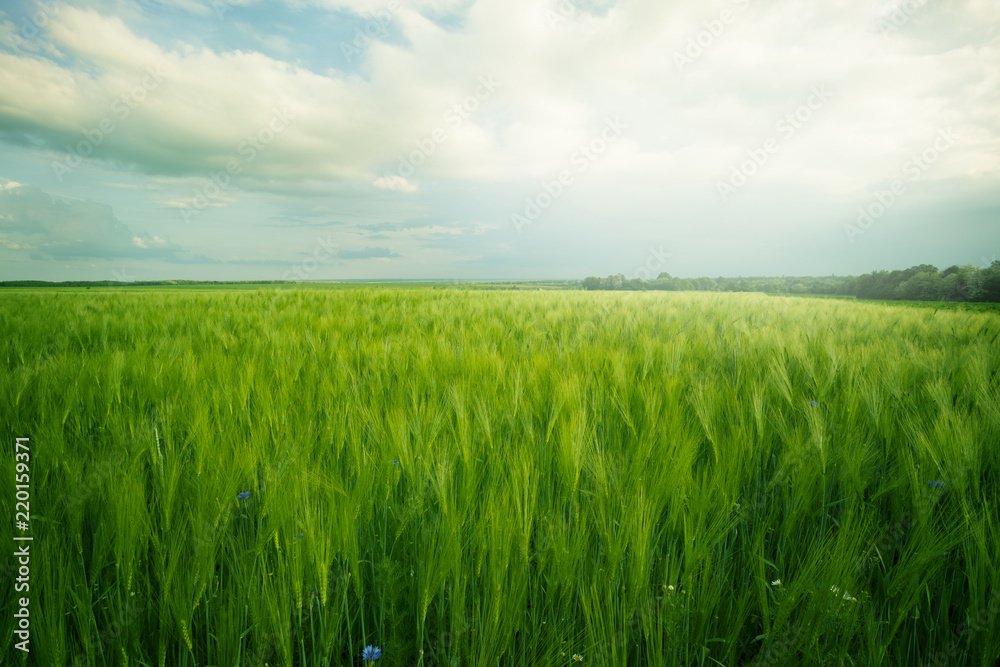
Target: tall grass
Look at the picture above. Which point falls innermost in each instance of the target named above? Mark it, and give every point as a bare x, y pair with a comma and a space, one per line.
471, 478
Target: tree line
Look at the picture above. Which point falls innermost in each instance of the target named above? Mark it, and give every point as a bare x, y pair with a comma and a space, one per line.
917, 283
133, 283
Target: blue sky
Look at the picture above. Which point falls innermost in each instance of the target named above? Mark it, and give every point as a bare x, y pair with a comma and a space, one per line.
495, 139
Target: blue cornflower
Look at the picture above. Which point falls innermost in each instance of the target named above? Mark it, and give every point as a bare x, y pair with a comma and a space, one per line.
395, 462
937, 484
371, 653
243, 495
299, 535
813, 403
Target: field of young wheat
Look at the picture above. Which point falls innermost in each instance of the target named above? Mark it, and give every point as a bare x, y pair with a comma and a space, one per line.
457, 477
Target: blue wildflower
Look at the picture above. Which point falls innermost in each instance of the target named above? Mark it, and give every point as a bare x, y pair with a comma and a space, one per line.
813, 403
937, 484
299, 535
395, 462
371, 653
243, 495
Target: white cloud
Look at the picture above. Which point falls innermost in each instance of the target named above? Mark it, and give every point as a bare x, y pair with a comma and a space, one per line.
147, 241
559, 84
394, 183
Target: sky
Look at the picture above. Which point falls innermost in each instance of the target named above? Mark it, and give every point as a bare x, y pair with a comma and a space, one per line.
495, 139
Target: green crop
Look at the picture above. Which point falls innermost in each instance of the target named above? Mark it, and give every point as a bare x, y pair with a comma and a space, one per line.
513, 478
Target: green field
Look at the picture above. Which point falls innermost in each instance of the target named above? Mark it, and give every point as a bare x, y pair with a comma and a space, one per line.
500, 477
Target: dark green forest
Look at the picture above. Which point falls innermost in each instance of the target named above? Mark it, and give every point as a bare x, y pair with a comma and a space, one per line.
917, 283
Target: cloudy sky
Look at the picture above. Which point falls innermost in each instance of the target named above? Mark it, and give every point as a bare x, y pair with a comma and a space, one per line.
493, 139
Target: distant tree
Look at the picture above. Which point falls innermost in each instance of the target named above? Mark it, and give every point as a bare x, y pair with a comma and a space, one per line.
973, 287
953, 286
923, 286
848, 288
991, 282
922, 282
919, 268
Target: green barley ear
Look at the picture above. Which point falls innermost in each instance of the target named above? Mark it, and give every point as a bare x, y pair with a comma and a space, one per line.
186, 634
159, 454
